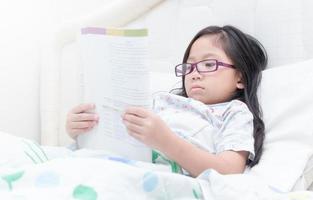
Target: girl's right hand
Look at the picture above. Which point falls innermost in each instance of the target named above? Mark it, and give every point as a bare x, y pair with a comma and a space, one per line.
81, 119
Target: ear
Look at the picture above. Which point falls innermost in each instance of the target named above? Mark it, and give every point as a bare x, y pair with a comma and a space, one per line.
239, 83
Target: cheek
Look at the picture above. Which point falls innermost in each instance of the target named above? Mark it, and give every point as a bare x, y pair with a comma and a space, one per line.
187, 82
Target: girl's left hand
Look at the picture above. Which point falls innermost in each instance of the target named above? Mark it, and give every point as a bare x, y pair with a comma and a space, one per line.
146, 127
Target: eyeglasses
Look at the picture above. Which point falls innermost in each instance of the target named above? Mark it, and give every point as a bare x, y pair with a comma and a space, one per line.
203, 66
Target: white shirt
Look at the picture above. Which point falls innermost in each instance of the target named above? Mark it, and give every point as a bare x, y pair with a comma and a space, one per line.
214, 128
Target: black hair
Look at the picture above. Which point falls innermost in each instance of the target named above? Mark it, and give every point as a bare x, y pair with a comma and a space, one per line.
250, 58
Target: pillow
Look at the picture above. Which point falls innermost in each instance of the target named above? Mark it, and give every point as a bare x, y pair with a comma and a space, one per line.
17, 151
306, 180
160, 81
286, 97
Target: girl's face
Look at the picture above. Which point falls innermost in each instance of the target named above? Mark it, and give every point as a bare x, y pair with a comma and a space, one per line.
211, 87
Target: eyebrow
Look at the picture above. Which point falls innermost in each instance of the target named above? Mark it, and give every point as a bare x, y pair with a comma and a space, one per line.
205, 56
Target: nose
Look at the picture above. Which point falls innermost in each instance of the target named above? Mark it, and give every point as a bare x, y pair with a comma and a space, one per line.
195, 74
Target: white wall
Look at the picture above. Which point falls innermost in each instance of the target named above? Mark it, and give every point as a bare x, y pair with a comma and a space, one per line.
23, 25
284, 28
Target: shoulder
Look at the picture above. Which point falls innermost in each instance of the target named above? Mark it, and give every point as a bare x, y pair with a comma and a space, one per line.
238, 105
235, 108
167, 100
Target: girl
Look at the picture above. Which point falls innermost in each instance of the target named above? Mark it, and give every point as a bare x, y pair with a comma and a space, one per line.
214, 121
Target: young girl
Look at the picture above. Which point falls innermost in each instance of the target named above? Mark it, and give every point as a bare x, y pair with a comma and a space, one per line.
214, 122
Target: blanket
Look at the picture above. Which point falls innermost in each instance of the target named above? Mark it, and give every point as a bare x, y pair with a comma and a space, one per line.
95, 176
117, 178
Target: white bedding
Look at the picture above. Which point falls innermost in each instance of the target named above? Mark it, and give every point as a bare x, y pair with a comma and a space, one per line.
305, 181
92, 175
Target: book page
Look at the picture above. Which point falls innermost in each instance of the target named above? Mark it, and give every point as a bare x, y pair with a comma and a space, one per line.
115, 76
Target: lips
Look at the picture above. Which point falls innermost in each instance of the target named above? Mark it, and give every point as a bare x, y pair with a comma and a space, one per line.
196, 87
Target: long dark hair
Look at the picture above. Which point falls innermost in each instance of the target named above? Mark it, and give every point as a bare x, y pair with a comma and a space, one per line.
250, 59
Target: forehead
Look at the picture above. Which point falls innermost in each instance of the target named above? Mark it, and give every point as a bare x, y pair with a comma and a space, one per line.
207, 45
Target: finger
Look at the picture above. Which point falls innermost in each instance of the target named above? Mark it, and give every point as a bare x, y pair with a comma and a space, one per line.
82, 125
133, 127
84, 117
83, 108
133, 119
133, 131
139, 111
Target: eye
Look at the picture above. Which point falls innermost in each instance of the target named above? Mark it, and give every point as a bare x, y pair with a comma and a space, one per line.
208, 64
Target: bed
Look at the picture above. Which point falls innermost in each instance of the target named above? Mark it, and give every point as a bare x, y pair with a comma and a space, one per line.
287, 101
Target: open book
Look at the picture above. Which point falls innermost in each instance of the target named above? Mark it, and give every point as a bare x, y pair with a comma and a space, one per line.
115, 75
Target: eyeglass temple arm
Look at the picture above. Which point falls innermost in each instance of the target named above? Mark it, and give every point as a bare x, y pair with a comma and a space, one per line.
225, 64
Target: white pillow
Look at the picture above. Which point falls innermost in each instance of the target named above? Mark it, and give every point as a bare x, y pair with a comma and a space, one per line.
160, 81
286, 97
17, 151
305, 182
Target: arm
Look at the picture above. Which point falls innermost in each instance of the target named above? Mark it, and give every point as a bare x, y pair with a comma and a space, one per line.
196, 160
151, 130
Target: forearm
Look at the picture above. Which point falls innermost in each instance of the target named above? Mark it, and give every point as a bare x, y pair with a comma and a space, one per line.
196, 160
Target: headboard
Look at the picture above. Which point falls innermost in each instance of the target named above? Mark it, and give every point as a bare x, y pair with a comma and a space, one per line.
284, 28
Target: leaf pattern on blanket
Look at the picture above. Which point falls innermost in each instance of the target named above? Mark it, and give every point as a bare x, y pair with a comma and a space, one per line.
83, 192
197, 193
10, 178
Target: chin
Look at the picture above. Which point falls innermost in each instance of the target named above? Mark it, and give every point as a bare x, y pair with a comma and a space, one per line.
204, 100
197, 97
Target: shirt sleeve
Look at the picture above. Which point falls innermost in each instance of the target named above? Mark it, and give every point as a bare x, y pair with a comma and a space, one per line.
236, 132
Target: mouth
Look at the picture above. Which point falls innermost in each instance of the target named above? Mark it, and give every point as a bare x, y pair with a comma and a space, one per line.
196, 87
